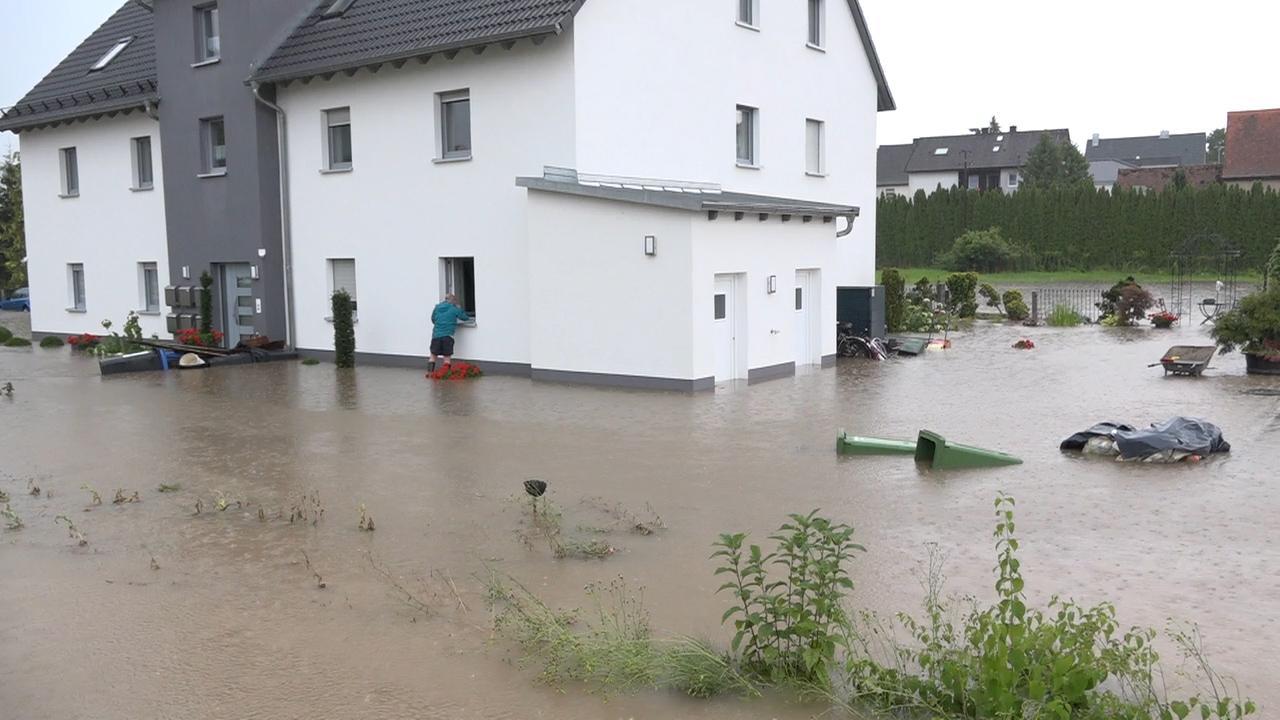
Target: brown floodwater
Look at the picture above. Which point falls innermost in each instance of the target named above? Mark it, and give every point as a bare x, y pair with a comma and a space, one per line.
233, 625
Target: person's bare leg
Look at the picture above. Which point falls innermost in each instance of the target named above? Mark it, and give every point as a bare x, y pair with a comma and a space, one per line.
448, 360
432, 366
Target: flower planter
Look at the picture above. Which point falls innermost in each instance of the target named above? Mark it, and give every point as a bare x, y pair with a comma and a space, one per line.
1261, 364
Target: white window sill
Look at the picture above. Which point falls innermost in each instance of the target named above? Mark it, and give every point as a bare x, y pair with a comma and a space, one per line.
207, 63
335, 171
355, 319
747, 26
819, 48
748, 166
142, 189
68, 196
78, 311
212, 174
815, 174
147, 313
441, 161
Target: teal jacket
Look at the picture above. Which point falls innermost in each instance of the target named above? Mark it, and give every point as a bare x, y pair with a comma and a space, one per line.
446, 317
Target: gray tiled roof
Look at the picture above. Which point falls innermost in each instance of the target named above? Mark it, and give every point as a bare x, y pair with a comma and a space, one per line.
891, 164
70, 91
1188, 149
978, 151
373, 31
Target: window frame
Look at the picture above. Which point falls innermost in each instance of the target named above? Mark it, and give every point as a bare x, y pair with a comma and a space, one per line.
331, 265
149, 288
207, 147
821, 169
443, 132
816, 28
69, 172
333, 121
450, 281
77, 296
208, 27
136, 146
752, 161
751, 9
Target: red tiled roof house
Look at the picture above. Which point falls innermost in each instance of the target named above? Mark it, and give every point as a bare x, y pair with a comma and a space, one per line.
1253, 149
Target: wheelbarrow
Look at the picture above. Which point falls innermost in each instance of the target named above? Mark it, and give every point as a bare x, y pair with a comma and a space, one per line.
1186, 359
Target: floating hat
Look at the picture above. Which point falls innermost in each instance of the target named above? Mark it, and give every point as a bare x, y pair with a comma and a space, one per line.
191, 360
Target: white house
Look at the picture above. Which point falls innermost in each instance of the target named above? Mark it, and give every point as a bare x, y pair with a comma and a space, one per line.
983, 160
663, 195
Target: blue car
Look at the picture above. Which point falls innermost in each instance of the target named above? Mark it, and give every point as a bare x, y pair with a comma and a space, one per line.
19, 300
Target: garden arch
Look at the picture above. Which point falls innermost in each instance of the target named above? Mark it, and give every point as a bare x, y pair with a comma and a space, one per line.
1205, 253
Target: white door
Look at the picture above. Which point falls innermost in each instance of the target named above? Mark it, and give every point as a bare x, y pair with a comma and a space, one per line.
804, 332
725, 332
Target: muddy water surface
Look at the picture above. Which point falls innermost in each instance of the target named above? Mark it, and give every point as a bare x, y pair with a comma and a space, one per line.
233, 624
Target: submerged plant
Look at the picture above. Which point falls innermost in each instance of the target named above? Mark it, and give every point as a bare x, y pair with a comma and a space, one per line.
72, 531
166, 488
366, 521
122, 498
11, 519
94, 497
1064, 316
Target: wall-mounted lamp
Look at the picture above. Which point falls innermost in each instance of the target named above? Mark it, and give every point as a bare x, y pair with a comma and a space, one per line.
650, 245
773, 284
186, 272
253, 271
262, 252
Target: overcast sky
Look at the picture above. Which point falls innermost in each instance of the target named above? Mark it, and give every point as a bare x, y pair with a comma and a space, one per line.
1116, 67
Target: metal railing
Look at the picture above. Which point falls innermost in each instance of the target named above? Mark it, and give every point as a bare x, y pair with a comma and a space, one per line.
1081, 301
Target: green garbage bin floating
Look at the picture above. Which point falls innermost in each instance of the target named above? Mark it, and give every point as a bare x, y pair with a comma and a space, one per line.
930, 449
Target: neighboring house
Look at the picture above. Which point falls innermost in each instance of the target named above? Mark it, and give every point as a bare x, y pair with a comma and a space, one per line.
1109, 156
608, 214
891, 170
983, 160
1157, 179
1253, 149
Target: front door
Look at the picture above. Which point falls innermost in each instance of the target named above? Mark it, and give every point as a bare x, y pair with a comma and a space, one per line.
730, 350
237, 303
804, 331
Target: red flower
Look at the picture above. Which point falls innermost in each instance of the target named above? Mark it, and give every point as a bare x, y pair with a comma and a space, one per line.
455, 371
192, 336
1024, 344
83, 342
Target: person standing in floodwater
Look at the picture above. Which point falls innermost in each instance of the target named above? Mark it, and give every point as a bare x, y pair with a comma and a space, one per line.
444, 320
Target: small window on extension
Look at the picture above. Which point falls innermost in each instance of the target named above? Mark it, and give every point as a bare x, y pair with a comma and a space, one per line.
111, 54
460, 280
336, 9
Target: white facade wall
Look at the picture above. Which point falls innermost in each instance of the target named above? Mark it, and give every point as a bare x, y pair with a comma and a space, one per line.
109, 228
617, 311
397, 213
929, 181
756, 250
658, 86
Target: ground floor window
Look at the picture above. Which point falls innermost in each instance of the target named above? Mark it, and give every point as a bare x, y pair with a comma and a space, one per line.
342, 276
459, 278
149, 290
75, 286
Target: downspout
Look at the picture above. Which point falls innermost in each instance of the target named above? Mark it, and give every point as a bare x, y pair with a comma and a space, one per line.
286, 233
149, 108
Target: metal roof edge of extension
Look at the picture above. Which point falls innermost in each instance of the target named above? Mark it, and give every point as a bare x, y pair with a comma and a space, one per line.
403, 57
23, 122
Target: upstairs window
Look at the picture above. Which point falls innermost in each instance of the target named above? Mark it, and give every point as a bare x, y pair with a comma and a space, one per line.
747, 139
208, 34
815, 141
817, 24
111, 54
454, 110
143, 170
337, 139
748, 12
213, 142
70, 172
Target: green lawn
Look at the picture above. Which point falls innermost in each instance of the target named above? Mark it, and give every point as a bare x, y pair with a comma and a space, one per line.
911, 275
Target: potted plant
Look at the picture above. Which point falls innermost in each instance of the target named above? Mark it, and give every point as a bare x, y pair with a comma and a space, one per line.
1253, 327
1164, 319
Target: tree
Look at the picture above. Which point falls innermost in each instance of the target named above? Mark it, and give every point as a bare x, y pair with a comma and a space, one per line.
1053, 165
1179, 181
1218, 146
13, 242
995, 126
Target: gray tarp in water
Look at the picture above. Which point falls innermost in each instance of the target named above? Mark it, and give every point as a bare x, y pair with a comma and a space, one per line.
1180, 434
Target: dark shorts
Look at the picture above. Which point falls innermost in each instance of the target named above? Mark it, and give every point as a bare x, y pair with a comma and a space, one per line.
442, 346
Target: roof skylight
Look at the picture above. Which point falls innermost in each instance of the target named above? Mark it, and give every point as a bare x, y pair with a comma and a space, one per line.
942, 151
115, 50
995, 149
337, 8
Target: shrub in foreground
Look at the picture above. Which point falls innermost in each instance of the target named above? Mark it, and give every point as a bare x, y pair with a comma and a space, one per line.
1015, 307
52, 341
895, 291
5, 334
17, 342
1064, 316
962, 294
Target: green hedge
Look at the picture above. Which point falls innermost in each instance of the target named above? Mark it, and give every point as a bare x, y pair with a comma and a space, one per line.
1079, 228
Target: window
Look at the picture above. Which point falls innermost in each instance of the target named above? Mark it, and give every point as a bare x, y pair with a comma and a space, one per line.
1013, 179
111, 54
459, 278
815, 142
748, 11
799, 298
817, 29
455, 124
208, 34
337, 139
143, 171
213, 142
995, 149
890, 192
722, 306
149, 290
941, 151
748, 120
342, 276
70, 172
75, 286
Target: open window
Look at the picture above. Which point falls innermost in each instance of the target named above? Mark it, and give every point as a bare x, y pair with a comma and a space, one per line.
458, 276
